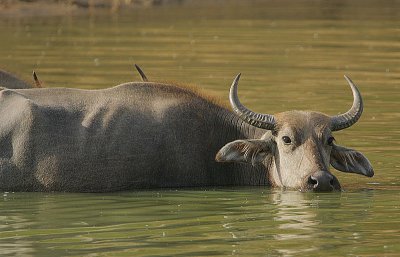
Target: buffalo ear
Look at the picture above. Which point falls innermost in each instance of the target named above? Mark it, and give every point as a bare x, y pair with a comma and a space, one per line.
248, 151
349, 160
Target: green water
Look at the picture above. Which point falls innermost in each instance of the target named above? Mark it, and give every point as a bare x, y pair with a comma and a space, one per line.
292, 55
238, 221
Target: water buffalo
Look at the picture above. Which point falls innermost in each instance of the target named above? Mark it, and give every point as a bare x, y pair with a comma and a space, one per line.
152, 135
8, 80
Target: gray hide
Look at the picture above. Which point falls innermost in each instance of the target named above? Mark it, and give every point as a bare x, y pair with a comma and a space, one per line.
8, 80
135, 135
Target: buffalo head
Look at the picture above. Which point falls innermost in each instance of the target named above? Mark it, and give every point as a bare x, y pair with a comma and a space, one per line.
298, 146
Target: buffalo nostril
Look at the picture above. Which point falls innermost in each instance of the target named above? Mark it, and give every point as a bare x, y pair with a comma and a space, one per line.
312, 181
321, 181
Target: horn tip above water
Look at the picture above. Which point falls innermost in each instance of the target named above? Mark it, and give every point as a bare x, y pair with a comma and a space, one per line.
237, 78
348, 79
141, 73
36, 80
235, 83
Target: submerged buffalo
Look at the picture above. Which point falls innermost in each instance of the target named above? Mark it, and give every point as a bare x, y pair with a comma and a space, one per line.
153, 135
10, 81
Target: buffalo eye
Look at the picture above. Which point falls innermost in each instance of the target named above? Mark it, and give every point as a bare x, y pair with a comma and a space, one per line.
330, 140
286, 140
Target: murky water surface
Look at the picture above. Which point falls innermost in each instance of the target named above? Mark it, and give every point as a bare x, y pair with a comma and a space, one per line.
291, 56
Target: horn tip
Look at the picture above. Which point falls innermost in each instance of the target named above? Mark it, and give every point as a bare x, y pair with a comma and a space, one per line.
238, 77
236, 80
348, 79
141, 73
37, 81
35, 76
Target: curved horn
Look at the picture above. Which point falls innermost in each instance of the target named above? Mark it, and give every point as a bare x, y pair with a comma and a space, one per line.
347, 119
264, 121
142, 75
37, 81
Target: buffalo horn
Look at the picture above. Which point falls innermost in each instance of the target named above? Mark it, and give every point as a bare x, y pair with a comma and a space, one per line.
37, 81
347, 119
264, 121
142, 75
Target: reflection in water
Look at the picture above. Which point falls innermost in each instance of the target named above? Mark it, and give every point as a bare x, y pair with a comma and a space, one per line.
297, 219
240, 221
294, 213
12, 243
17, 248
